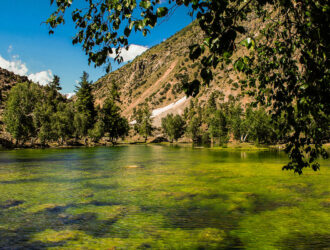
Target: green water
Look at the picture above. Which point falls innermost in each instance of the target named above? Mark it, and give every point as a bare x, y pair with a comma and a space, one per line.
160, 197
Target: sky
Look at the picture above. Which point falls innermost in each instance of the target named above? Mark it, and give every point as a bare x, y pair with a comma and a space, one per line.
26, 48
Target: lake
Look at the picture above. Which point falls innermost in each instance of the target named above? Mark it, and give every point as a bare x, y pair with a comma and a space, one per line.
160, 197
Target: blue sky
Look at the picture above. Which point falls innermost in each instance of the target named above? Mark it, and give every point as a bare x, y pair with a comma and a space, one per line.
27, 48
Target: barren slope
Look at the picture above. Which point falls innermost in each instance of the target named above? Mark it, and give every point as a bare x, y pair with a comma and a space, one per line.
156, 76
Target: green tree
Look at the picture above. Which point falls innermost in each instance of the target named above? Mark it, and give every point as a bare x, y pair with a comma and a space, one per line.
209, 117
286, 64
62, 125
222, 119
53, 97
109, 120
19, 111
45, 109
85, 111
235, 120
81, 124
193, 128
114, 125
173, 126
55, 83
259, 126
97, 132
143, 120
43, 121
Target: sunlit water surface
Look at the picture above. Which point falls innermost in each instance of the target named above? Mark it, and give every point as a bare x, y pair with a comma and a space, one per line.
160, 197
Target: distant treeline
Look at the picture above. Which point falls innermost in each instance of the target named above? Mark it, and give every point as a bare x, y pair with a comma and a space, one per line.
40, 114
218, 121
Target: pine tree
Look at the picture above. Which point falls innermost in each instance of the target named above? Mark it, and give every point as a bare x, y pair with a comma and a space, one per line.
85, 111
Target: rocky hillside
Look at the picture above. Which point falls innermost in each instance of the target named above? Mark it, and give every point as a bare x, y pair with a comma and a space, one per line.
156, 77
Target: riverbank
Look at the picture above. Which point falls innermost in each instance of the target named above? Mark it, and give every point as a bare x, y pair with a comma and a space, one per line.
77, 144
234, 145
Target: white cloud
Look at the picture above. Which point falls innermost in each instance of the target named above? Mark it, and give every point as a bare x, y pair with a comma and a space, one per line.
132, 52
10, 49
69, 95
43, 77
15, 65
18, 67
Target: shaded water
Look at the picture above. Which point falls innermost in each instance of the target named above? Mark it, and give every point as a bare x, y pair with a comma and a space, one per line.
160, 197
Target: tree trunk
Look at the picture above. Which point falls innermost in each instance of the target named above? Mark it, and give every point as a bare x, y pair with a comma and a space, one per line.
244, 138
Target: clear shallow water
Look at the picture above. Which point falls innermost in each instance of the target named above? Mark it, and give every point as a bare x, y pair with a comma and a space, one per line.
160, 197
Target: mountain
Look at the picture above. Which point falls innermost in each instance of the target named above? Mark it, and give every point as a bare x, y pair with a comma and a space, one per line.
156, 77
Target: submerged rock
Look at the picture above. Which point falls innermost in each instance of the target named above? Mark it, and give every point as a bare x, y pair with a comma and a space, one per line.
49, 207
11, 203
158, 139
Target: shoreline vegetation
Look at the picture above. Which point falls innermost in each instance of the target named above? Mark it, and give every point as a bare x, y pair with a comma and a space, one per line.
153, 141
40, 117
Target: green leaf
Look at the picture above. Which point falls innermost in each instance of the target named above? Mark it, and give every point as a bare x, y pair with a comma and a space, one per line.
145, 4
240, 29
191, 88
195, 51
162, 11
127, 32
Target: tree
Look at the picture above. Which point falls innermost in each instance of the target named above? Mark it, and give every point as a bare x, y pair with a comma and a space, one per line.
62, 125
143, 121
260, 129
222, 119
97, 132
235, 120
43, 113
173, 126
209, 117
114, 125
285, 65
85, 111
55, 83
19, 111
193, 128
218, 127
81, 124
109, 121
